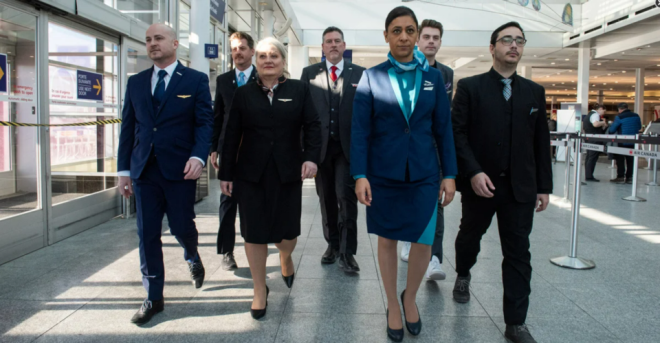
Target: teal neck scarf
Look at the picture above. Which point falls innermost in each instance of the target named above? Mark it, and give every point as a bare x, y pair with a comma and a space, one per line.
418, 61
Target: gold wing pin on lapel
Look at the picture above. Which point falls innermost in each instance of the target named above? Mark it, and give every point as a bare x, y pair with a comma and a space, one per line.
285, 100
183, 96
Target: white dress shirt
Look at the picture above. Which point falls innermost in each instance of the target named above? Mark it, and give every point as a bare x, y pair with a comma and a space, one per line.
247, 73
595, 117
340, 67
154, 80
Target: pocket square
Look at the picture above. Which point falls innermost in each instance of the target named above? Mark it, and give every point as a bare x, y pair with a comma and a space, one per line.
285, 100
183, 96
533, 110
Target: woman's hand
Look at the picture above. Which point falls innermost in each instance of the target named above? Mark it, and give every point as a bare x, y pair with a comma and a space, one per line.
308, 170
227, 187
448, 188
363, 191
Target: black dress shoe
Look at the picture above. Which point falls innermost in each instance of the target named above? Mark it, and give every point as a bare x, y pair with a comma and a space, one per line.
462, 289
288, 280
330, 256
197, 272
518, 334
228, 261
348, 263
147, 311
413, 328
258, 314
395, 335
592, 179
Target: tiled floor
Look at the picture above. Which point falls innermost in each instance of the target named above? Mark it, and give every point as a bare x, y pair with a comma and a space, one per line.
86, 288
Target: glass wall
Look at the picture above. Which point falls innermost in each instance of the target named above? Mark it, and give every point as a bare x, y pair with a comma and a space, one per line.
18, 156
184, 31
148, 11
84, 87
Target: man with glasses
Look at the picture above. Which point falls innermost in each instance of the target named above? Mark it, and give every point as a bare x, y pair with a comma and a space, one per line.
503, 152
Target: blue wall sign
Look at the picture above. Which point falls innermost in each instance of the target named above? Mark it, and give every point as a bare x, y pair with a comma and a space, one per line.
3, 73
89, 85
211, 50
218, 10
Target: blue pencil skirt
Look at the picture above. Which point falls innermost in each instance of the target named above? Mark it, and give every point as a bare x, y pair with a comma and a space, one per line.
404, 210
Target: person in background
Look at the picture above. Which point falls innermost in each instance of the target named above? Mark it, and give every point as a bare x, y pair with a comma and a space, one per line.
593, 123
242, 50
264, 163
626, 123
430, 40
166, 128
401, 124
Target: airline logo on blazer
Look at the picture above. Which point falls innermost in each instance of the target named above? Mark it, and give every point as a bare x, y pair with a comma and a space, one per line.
183, 96
533, 110
285, 100
354, 85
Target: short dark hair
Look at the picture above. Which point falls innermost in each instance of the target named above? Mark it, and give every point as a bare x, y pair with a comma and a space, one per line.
623, 106
493, 37
333, 29
597, 106
432, 24
400, 11
242, 35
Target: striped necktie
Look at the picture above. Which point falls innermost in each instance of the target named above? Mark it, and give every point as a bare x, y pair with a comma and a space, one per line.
507, 88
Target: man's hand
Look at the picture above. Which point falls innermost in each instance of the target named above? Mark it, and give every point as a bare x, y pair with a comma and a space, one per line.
363, 191
308, 170
542, 201
125, 186
448, 188
214, 160
482, 185
227, 187
193, 169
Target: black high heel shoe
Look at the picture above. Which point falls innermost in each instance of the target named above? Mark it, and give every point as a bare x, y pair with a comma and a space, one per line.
258, 314
394, 335
288, 280
413, 328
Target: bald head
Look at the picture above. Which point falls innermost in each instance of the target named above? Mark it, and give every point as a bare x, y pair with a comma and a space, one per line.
162, 44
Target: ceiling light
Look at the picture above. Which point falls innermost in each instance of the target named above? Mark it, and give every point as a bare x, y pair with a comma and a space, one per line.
609, 74
605, 83
562, 83
552, 62
616, 60
573, 81
598, 64
616, 81
481, 55
648, 46
646, 84
611, 89
568, 59
553, 84
595, 77
623, 71
623, 52
535, 56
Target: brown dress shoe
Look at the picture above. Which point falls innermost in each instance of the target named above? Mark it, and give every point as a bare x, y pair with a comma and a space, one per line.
619, 180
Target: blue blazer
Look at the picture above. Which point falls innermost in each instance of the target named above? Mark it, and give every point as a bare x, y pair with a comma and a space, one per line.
179, 129
383, 141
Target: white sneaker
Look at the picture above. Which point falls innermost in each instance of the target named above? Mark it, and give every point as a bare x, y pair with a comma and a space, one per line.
434, 271
405, 251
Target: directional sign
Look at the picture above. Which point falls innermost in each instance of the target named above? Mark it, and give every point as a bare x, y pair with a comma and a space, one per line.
90, 85
634, 152
593, 147
3, 73
211, 50
218, 10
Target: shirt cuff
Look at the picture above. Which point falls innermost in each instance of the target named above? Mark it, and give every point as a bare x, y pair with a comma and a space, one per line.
355, 177
124, 173
199, 159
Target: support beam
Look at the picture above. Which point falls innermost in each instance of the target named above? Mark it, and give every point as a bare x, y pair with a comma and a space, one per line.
526, 72
639, 93
298, 59
601, 97
200, 13
584, 55
269, 22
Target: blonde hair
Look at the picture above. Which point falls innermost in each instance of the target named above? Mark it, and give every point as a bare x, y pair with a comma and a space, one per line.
272, 41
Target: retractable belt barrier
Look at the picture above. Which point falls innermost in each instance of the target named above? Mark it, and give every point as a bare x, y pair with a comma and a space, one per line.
585, 142
89, 123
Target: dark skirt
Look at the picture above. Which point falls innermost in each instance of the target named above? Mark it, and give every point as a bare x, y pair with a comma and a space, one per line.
269, 210
404, 210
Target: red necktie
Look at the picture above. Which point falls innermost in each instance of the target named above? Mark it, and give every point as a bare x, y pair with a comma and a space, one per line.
333, 75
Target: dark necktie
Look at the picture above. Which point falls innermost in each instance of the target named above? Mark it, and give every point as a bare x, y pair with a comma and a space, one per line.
333, 74
507, 88
159, 92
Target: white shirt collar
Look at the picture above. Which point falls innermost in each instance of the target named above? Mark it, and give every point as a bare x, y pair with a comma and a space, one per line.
340, 65
247, 73
169, 69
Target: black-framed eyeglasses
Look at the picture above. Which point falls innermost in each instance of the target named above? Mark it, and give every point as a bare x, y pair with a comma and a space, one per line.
508, 40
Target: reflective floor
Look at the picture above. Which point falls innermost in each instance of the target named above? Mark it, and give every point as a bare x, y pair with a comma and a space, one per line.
86, 288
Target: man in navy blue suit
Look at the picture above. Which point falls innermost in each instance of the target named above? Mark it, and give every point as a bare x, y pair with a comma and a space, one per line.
167, 122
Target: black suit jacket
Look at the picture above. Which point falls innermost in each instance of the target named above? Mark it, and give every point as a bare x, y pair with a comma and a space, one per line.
226, 85
476, 134
316, 76
258, 131
448, 77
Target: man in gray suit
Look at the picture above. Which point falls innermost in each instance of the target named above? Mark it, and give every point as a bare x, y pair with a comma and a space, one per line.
333, 84
430, 40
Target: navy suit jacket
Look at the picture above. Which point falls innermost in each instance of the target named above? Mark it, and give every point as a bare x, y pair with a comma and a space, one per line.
383, 142
179, 129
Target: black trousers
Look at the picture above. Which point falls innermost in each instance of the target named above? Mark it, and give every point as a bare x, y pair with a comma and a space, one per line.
436, 248
514, 221
227, 230
336, 190
590, 163
624, 168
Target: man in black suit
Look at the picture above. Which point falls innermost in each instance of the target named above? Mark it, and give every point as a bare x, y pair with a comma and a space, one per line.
430, 40
503, 152
333, 83
242, 50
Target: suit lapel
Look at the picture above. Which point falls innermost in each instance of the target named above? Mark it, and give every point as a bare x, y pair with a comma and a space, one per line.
346, 79
418, 86
519, 99
146, 89
234, 80
174, 81
253, 75
397, 92
321, 81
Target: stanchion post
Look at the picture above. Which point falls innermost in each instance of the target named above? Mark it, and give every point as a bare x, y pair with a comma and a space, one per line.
572, 261
633, 196
567, 159
655, 169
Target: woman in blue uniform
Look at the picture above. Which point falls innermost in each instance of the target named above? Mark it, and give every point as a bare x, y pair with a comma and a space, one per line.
401, 124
